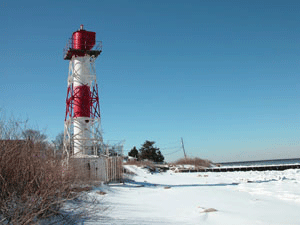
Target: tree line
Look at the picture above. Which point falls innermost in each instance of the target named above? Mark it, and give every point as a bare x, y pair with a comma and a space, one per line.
147, 152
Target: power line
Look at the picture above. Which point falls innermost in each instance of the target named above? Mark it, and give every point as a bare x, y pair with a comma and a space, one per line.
170, 148
173, 152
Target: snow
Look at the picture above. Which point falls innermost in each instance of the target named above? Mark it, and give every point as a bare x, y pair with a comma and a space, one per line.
253, 197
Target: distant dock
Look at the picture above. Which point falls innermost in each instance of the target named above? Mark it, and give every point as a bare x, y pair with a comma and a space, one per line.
241, 168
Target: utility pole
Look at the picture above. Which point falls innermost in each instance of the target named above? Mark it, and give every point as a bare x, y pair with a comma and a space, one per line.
183, 148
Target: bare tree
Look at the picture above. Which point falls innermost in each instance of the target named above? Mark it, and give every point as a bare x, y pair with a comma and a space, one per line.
58, 144
11, 128
34, 187
34, 135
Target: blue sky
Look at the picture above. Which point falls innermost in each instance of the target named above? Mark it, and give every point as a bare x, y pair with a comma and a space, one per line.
224, 75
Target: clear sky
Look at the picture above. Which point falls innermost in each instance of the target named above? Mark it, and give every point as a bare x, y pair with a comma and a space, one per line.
224, 75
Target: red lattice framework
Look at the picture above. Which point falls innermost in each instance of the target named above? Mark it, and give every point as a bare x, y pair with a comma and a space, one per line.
93, 102
86, 94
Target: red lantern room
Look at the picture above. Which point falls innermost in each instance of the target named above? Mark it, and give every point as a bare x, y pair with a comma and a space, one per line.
81, 43
83, 40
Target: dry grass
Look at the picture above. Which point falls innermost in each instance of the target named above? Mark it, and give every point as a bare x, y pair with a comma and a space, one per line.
193, 161
143, 164
33, 185
140, 163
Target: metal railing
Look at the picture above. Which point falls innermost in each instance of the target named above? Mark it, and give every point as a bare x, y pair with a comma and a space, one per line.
69, 46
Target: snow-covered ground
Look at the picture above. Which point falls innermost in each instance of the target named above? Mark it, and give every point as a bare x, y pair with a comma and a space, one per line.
269, 197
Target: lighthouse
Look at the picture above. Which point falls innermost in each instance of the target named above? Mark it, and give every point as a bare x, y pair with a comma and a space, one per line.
82, 128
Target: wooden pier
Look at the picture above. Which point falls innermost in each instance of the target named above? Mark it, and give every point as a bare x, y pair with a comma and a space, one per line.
242, 168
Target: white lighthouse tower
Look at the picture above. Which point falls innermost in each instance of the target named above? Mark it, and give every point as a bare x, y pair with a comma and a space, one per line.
82, 135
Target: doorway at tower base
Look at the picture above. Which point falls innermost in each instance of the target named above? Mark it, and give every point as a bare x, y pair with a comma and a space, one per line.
99, 169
